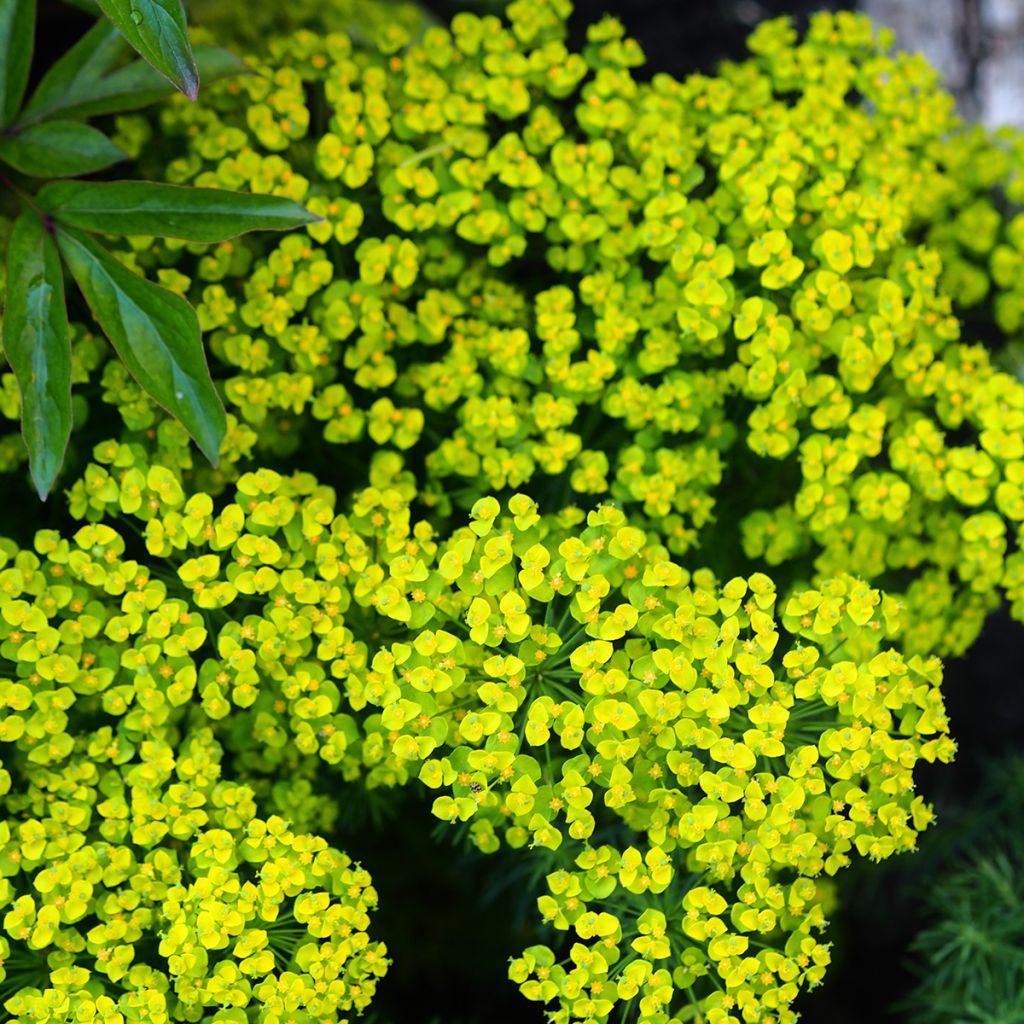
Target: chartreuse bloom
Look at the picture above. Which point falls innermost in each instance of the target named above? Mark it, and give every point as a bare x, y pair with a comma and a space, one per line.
140, 885
578, 355
690, 755
538, 271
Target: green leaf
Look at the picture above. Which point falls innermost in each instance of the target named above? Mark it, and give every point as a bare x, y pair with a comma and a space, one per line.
168, 211
37, 343
57, 148
156, 334
17, 32
156, 29
136, 85
80, 69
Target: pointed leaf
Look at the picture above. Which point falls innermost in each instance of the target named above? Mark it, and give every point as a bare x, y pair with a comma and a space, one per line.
53, 149
80, 69
156, 334
17, 32
137, 85
37, 343
156, 29
168, 211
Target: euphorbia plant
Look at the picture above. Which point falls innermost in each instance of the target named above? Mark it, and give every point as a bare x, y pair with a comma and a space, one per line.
727, 303
513, 434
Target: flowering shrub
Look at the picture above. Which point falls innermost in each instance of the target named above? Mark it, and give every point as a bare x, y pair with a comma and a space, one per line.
557, 679
512, 435
138, 885
537, 272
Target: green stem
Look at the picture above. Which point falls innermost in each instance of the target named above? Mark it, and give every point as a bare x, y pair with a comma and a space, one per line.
437, 148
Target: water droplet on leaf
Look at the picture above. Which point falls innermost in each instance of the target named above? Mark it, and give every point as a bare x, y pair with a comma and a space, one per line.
136, 16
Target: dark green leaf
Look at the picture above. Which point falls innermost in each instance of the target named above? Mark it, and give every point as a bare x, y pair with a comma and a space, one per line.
156, 29
57, 148
155, 332
17, 31
37, 343
137, 85
167, 211
78, 71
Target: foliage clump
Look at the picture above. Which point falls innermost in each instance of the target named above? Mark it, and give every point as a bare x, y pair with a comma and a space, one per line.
968, 955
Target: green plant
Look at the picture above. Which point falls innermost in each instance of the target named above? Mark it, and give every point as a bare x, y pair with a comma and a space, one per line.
122, 855
683, 757
510, 435
712, 301
970, 955
154, 331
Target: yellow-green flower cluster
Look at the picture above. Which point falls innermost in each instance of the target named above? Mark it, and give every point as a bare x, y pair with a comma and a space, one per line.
614, 323
976, 226
694, 753
538, 272
225, 22
137, 884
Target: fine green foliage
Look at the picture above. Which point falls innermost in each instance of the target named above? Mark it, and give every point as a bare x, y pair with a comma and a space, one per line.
969, 957
154, 331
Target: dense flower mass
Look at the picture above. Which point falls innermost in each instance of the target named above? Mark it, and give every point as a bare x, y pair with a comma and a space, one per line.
139, 885
608, 460
537, 272
558, 679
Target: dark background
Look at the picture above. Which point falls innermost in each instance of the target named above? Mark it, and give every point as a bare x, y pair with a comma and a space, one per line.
448, 931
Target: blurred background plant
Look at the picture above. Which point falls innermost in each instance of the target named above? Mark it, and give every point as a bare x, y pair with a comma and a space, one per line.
969, 956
